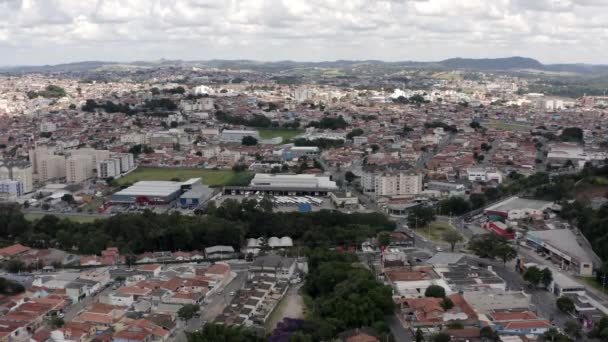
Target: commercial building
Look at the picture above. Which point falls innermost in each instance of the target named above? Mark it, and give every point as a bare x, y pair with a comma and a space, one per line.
238, 135
515, 208
565, 248
451, 189
569, 153
12, 188
484, 175
153, 192
289, 185
196, 196
295, 152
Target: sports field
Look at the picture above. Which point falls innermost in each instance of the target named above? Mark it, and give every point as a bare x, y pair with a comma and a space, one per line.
285, 133
435, 230
210, 177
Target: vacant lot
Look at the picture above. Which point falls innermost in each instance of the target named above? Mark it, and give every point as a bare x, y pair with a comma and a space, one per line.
507, 126
75, 218
435, 230
286, 134
210, 177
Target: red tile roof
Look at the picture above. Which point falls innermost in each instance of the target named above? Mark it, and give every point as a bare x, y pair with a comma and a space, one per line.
13, 250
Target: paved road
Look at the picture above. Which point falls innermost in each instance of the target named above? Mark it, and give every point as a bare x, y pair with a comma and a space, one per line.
399, 332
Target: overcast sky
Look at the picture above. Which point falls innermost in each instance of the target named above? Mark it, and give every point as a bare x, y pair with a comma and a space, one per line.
58, 31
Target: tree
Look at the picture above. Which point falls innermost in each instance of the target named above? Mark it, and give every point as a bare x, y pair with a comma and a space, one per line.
419, 337
486, 246
505, 253
452, 237
249, 141
547, 277
420, 216
68, 198
475, 124
349, 176
477, 201
188, 311
441, 337
455, 205
553, 335
574, 134
573, 328
212, 332
354, 133
533, 275
565, 304
446, 303
56, 322
384, 239
14, 266
435, 291
488, 334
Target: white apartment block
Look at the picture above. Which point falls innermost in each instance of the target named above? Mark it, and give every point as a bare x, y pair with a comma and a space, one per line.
135, 138
108, 168
12, 188
484, 175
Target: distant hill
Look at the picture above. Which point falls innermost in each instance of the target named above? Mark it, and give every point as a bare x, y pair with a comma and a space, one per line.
508, 63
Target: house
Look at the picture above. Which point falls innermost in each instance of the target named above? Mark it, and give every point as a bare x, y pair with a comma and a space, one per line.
519, 323
429, 312
151, 269
13, 251
219, 272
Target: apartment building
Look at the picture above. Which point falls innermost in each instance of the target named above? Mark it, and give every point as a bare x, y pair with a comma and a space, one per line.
12, 188
397, 184
135, 138
78, 168
117, 164
23, 173
51, 167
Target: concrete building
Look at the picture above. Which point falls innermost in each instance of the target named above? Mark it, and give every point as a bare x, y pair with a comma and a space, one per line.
48, 127
161, 192
516, 208
12, 188
563, 247
135, 138
398, 184
78, 169
108, 168
22, 173
196, 196
484, 175
51, 167
295, 152
238, 135
564, 153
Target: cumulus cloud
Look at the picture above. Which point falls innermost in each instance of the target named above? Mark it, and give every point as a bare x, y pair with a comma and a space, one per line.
55, 31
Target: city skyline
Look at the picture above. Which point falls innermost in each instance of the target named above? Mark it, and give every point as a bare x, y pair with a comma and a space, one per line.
63, 31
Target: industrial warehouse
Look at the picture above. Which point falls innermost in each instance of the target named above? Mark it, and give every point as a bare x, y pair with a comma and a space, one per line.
190, 193
286, 185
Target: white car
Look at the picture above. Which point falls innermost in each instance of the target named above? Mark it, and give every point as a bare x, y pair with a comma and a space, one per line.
439, 249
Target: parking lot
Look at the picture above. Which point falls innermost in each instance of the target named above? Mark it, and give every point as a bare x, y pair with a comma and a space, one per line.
285, 203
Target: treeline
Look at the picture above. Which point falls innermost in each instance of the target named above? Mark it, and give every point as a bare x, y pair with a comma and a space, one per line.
228, 224
329, 123
51, 91
446, 127
108, 107
342, 294
255, 121
321, 143
9, 287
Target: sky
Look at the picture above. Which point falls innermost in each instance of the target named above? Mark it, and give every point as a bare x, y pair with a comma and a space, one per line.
35, 32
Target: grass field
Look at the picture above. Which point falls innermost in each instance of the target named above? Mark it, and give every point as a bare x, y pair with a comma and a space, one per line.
509, 126
286, 134
75, 218
591, 281
435, 230
210, 177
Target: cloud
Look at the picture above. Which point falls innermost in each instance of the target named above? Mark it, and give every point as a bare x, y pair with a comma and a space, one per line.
55, 31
